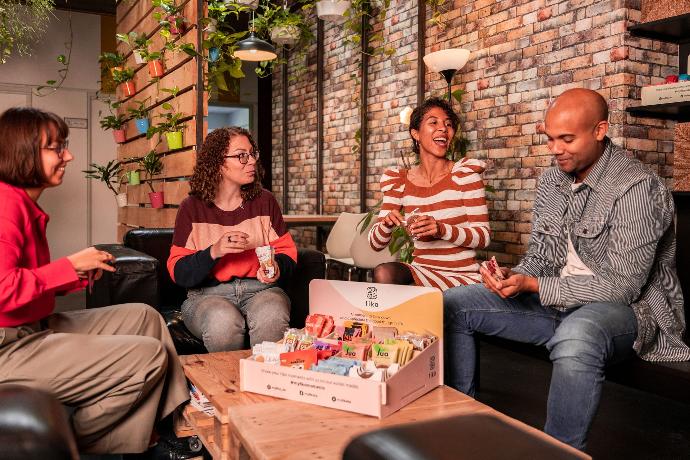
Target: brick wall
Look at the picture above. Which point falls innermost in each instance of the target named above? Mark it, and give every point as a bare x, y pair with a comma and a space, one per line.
523, 54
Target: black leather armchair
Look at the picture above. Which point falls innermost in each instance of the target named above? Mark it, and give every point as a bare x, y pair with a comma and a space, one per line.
34, 426
142, 276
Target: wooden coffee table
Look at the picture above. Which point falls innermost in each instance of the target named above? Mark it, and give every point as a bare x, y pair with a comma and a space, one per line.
262, 427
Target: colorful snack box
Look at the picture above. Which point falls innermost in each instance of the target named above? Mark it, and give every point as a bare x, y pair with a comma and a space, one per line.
266, 261
384, 354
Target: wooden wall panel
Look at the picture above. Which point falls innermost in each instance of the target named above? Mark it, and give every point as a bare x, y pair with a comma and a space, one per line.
147, 217
180, 71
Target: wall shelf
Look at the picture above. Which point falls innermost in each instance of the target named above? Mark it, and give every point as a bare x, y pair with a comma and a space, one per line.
678, 111
675, 29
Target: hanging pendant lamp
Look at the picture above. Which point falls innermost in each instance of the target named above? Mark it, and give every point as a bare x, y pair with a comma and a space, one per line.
253, 48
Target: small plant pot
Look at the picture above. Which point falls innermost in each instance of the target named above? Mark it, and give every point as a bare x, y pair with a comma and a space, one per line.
117, 68
156, 68
119, 135
121, 199
128, 89
156, 199
212, 25
138, 58
285, 35
174, 140
332, 11
142, 125
213, 54
133, 177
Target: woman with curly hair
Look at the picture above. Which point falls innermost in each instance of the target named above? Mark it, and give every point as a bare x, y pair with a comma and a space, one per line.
441, 203
218, 227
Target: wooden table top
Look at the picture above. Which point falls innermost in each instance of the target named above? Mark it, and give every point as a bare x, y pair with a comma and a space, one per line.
271, 428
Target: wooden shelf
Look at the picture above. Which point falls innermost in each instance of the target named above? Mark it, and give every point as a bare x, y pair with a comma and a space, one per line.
675, 29
678, 111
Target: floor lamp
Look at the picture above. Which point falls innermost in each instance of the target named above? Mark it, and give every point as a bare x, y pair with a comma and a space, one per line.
447, 62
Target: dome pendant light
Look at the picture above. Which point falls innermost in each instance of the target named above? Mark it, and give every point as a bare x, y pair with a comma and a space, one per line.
254, 49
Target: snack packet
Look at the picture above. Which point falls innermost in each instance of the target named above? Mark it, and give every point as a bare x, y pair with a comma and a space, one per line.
303, 359
493, 268
266, 260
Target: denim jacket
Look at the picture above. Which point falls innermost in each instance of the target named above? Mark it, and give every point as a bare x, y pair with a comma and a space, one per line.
620, 223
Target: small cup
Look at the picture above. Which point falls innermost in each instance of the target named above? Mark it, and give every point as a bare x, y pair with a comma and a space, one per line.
266, 260
411, 219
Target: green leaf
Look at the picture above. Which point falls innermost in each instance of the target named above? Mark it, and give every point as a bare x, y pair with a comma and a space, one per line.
50, 82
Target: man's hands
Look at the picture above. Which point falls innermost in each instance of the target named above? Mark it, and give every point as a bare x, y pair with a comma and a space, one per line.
91, 260
514, 284
261, 276
230, 243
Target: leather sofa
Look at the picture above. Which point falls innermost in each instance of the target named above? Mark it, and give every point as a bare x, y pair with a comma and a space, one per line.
141, 275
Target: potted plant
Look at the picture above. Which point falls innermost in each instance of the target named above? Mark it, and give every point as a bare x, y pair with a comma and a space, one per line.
124, 78
172, 123
155, 62
117, 124
170, 17
138, 42
283, 26
252, 4
108, 174
332, 10
112, 61
152, 165
141, 116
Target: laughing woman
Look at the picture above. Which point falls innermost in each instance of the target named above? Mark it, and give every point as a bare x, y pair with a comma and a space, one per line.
226, 217
441, 204
115, 366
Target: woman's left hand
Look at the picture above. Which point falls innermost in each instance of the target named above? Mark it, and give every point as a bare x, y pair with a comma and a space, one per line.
424, 227
261, 276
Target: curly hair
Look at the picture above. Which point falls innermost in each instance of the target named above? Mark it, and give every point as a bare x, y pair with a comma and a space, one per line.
206, 176
419, 112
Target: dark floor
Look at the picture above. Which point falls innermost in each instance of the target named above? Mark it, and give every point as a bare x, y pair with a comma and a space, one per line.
630, 424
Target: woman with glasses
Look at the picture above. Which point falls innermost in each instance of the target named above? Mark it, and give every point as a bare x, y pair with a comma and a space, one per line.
218, 228
439, 202
115, 366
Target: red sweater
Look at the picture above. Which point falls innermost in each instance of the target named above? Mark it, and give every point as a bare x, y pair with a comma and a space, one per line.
28, 279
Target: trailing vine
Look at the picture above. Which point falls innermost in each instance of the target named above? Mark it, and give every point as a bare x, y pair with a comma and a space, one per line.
369, 10
22, 24
64, 60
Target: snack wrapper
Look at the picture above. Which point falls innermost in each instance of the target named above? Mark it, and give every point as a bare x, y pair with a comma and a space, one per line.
492, 267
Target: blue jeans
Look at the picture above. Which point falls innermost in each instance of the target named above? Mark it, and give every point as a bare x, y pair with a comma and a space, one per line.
581, 343
218, 314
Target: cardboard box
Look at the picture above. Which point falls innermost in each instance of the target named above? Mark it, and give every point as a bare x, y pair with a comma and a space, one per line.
408, 308
665, 94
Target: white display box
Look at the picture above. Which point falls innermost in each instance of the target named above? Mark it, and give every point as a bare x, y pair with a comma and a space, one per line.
666, 94
408, 308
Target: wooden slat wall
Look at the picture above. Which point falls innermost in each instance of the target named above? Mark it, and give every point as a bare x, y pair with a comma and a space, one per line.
181, 72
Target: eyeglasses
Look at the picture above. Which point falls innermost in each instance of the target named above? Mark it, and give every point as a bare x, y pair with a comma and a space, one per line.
59, 149
244, 156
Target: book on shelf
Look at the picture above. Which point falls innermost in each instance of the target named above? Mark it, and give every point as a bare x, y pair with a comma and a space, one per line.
199, 401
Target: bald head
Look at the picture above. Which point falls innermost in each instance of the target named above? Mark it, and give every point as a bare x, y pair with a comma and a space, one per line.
582, 105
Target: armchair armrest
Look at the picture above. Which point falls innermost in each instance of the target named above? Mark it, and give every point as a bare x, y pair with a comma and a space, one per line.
33, 426
135, 279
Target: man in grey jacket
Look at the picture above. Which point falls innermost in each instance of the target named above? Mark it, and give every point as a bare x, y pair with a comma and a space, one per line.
598, 282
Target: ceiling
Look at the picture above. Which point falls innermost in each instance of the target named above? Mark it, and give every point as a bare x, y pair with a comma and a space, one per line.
87, 6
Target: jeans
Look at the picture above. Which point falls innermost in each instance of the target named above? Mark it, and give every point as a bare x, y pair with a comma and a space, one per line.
581, 343
217, 314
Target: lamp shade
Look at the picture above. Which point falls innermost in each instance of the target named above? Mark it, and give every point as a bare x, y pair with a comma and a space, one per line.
255, 49
450, 59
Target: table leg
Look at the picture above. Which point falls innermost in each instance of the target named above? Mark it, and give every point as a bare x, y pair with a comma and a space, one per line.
229, 445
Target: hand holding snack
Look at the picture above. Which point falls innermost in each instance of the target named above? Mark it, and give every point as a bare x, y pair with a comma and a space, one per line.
504, 282
230, 243
421, 226
393, 218
268, 271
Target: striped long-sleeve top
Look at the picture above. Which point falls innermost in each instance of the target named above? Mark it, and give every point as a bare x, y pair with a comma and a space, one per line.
458, 204
620, 222
198, 226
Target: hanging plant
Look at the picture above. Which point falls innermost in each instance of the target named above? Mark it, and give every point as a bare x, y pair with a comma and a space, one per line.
332, 10
372, 11
138, 43
22, 24
170, 16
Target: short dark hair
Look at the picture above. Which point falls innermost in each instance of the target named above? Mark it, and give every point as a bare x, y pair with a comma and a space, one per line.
21, 129
419, 112
206, 176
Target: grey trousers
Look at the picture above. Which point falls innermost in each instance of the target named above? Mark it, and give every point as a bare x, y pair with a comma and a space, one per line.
116, 366
217, 314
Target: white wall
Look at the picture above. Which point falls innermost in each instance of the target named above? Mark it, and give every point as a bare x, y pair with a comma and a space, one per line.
80, 213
